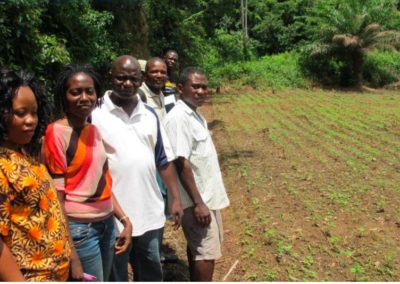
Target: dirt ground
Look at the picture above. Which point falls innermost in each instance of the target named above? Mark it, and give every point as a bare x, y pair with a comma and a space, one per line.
314, 185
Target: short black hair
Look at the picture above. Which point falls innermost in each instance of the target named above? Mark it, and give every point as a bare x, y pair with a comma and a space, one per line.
10, 82
61, 87
168, 50
151, 61
184, 77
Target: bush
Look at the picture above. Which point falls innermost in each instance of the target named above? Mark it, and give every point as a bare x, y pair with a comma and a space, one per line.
382, 68
226, 48
324, 67
273, 71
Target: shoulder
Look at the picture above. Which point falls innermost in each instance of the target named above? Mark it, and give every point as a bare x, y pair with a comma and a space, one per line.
100, 115
99, 110
150, 110
178, 112
56, 129
177, 119
5, 155
104, 106
142, 95
91, 128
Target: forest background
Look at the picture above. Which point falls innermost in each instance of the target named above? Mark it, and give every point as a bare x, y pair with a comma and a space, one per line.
269, 43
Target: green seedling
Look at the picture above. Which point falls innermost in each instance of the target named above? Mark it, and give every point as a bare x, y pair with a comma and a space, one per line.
357, 269
283, 249
334, 239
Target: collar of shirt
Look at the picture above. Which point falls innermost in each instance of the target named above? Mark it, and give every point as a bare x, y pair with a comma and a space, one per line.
149, 91
193, 113
112, 108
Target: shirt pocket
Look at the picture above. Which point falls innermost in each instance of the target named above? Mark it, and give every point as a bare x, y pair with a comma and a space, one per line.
200, 143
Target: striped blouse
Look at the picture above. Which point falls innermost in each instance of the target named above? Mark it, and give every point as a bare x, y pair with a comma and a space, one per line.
78, 162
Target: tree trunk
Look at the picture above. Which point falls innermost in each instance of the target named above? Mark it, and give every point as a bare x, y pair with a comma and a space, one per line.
358, 62
129, 25
243, 9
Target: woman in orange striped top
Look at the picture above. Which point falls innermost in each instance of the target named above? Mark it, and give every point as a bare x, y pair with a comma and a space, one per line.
75, 156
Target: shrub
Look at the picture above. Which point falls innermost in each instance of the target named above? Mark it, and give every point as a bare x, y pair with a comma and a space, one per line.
324, 67
272, 71
382, 68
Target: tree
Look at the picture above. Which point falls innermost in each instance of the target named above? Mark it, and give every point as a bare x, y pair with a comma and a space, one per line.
348, 29
24, 45
42, 36
278, 25
129, 26
245, 30
85, 31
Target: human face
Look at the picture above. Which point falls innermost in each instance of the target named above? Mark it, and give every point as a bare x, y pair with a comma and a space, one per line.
171, 59
23, 118
80, 98
156, 75
194, 91
126, 79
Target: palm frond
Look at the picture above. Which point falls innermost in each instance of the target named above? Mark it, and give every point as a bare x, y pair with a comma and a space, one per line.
320, 49
346, 41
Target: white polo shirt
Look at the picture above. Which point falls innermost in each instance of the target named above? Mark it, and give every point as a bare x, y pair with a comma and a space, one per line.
190, 138
135, 147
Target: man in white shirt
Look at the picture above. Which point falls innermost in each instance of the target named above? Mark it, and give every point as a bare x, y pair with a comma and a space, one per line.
202, 190
135, 141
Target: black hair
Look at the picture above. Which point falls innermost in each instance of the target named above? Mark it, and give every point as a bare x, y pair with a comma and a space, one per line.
61, 87
151, 61
10, 82
184, 77
168, 50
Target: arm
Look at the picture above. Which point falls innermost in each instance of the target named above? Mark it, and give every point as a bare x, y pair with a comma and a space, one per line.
167, 173
76, 269
56, 164
9, 270
125, 237
200, 209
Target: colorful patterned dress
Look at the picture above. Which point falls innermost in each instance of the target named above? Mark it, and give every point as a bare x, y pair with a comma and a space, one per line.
32, 223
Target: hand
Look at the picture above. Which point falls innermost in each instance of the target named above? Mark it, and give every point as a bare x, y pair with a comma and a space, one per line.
202, 214
125, 238
76, 269
177, 213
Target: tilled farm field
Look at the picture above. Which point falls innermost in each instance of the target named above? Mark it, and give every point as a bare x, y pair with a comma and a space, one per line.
314, 183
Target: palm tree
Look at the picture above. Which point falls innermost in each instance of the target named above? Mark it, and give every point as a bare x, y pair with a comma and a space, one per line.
351, 28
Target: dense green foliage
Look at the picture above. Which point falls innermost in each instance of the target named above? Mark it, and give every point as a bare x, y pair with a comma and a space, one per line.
382, 68
344, 32
42, 35
271, 71
279, 25
326, 40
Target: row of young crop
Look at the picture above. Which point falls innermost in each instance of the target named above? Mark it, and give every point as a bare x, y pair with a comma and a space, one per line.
338, 172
